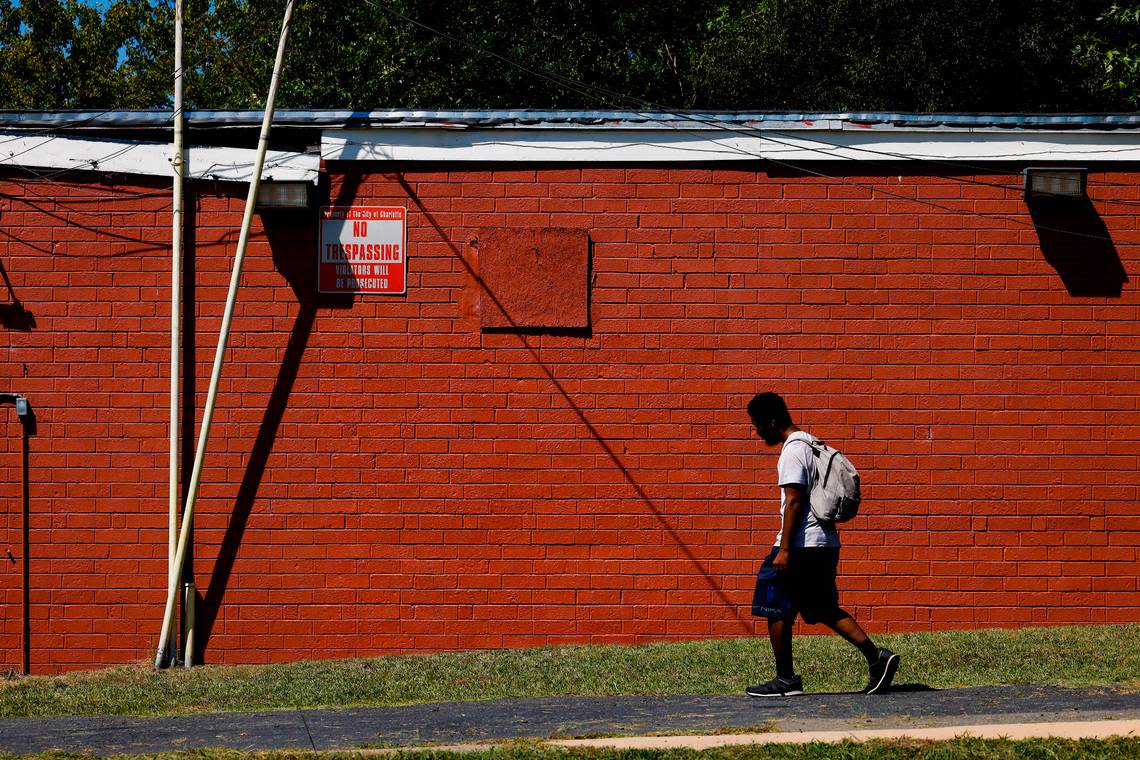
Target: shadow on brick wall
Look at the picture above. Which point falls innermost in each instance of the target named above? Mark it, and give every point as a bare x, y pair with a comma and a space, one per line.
511, 325
292, 237
1073, 238
1076, 242
13, 315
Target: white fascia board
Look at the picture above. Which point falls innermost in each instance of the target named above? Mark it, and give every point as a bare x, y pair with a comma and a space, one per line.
236, 165
587, 145
150, 158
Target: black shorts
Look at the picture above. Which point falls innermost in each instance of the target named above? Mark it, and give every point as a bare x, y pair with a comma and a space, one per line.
809, 583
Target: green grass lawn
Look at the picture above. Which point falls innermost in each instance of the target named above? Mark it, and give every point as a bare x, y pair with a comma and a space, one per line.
1095, 655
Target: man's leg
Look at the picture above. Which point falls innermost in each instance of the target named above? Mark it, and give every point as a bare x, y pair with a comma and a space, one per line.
881, 663
821, 567
770, 598
780, 634
786, 682
846, 627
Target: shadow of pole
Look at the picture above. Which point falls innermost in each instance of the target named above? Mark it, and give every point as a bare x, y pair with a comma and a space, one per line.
289, 234
215, 591
597, 436
287, 231
188, 440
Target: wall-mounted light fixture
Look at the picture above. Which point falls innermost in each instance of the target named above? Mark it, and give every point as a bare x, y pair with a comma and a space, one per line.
283, 195
1042, 182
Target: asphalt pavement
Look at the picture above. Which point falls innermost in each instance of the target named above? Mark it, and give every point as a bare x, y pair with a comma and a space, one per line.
452, 723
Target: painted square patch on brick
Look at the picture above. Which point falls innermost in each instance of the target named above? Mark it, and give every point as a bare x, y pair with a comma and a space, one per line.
534, 278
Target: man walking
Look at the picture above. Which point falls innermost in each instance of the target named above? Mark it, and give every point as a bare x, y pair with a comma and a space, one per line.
798, 576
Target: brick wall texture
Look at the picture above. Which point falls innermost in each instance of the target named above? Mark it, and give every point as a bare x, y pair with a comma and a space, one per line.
385, 476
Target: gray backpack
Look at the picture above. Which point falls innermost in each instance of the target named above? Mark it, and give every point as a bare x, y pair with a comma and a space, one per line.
835, 493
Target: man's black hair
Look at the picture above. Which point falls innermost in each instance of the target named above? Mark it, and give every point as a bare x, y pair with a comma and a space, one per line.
769, 406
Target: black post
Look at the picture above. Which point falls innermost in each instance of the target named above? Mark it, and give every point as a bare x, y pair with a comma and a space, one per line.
28, 429
27, 547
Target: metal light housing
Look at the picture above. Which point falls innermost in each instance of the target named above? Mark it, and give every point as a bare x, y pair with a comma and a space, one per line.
1045, 182
283, 195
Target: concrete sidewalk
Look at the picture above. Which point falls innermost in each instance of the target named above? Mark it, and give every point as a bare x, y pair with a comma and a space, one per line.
1095, 729
453, 723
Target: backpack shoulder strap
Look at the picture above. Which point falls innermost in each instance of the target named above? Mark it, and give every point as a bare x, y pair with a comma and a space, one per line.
815, 444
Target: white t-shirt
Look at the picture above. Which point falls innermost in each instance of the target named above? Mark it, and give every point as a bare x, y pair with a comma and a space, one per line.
797, 468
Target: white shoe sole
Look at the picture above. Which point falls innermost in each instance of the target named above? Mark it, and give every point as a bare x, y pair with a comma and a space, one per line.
777, 694
888, 675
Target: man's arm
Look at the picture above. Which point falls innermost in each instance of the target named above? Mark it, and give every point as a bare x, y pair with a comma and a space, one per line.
793, 505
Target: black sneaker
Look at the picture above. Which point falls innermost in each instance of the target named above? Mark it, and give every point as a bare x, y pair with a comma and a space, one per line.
777, 687
882, 672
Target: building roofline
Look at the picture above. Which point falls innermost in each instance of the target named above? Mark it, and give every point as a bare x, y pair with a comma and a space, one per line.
82, 139
459, 119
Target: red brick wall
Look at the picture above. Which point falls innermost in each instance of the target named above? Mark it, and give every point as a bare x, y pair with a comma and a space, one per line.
384, 476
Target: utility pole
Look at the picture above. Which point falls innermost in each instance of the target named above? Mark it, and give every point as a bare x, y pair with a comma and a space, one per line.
223, 338
178, 163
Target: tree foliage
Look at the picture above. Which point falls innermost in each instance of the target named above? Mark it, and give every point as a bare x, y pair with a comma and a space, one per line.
1112, 49
63, 53
911, 55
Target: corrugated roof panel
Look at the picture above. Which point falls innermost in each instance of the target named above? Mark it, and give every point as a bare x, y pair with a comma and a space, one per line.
341, 119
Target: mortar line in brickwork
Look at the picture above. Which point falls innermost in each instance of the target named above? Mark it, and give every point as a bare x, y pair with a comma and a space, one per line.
921, 201
641, 494
100, 199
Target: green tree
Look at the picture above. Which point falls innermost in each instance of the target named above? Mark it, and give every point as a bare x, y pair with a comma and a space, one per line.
912, 55
1111, 49
964, 55
60, 54
351, 54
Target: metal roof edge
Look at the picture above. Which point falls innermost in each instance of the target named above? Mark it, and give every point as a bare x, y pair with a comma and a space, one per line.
358, 119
